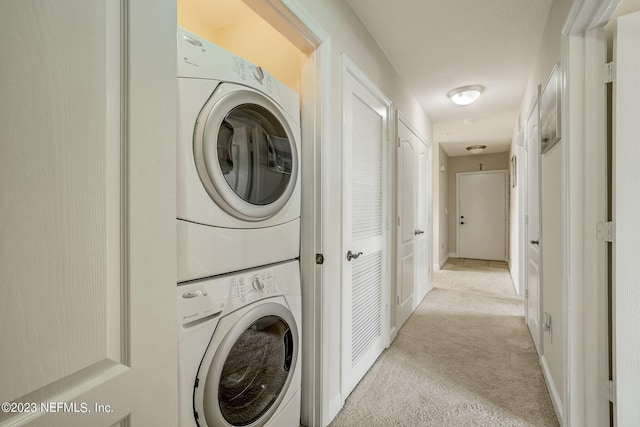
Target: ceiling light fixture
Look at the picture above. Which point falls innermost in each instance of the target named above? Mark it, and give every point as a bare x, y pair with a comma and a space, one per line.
476, 149
465, 95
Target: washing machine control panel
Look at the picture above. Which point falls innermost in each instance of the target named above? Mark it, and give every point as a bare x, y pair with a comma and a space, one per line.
252, 287
199, 300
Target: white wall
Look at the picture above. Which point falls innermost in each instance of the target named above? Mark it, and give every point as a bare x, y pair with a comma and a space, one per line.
348, 36
552, 205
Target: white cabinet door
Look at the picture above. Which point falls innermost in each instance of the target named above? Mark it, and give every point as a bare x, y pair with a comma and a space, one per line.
626, 201
365, 222
87, 213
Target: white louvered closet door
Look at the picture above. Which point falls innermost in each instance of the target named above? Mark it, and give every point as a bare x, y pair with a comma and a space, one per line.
365, 281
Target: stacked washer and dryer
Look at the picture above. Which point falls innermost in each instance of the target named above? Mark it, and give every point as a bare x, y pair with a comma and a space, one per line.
238, 220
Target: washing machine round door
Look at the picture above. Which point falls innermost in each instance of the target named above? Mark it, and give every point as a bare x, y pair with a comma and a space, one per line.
245, 153
250, 370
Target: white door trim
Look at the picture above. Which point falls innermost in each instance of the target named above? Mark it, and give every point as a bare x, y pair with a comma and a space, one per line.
584, 311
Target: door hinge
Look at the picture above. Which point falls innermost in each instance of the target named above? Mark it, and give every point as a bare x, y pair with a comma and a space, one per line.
612, 392
604, 231
319, 259
608, 72
398, 141
397, 299
526, 220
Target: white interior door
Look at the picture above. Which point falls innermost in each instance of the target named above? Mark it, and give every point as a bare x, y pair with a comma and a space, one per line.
482, 215
407, 232
365, 283
532, 225
87, 178
423, 222
626, 205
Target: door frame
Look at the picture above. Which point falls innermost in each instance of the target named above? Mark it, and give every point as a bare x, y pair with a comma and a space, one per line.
583, 53
505, 172
300, 28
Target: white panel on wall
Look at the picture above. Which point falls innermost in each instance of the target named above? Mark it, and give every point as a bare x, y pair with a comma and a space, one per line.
53, 184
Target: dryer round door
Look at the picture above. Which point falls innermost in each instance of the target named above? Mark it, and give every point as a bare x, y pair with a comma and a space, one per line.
246, 376
245, 153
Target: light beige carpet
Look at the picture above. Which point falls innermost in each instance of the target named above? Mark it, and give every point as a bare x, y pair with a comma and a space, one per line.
464, 358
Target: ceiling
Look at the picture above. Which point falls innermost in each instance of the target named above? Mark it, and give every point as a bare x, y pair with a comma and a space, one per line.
436, 46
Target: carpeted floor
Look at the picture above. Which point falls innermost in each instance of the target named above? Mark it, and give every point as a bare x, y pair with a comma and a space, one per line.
464, 358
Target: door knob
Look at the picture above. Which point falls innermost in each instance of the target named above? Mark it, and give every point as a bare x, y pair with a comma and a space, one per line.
416, 232
535, 242
351, 255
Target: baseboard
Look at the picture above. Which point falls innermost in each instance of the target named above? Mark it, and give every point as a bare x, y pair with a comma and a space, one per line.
334, 407
515, 281
453, 255
553, 391
443, 262
393, 334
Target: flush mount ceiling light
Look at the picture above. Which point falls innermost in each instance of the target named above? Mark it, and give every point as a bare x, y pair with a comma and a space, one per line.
465, 95
475, 149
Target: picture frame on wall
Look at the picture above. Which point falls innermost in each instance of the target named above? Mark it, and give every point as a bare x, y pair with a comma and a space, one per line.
550, 111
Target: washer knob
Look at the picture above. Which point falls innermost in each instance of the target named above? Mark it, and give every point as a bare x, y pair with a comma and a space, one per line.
258, 74
257, 284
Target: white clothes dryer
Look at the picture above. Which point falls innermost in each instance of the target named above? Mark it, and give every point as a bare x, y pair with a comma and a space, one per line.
238, 168
239, 349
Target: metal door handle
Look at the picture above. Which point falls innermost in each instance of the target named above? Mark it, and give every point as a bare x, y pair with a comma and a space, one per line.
351, 255
416, 232
535, 242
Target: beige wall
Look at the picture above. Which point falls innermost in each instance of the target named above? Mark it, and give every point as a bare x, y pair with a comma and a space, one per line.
467, 164
245, 34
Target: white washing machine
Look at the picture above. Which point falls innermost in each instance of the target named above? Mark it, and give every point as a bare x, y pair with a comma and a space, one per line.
239, 349
238, 182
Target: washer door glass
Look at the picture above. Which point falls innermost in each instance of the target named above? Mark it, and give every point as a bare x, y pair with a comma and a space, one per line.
255, 371
255, 154
245, 153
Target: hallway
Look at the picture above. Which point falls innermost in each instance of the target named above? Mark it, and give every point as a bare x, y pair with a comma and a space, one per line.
464, 358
